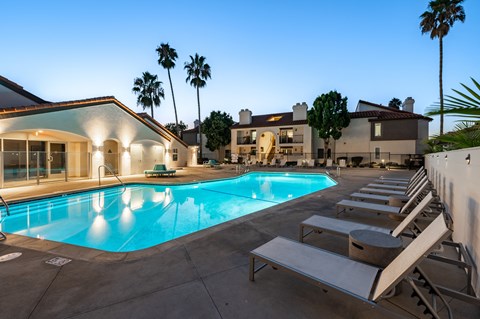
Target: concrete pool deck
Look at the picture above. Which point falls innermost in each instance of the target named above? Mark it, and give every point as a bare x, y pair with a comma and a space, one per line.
203, 275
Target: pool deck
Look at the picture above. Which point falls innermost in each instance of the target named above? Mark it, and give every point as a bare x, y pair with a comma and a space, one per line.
203, 275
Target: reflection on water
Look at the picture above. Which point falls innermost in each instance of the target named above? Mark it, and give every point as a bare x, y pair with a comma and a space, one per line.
145, 215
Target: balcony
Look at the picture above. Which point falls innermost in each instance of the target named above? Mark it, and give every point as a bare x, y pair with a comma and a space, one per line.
295, 139
246, 140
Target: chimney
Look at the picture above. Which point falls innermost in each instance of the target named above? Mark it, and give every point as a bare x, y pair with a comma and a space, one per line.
407, 105
300, 111
195, 123
245, 116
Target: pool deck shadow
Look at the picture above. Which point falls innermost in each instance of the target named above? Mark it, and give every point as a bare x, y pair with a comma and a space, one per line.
202, 275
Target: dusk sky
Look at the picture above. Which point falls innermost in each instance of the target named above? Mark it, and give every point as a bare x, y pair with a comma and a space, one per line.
264, 55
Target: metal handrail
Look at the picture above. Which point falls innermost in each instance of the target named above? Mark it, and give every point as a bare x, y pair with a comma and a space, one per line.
110, 170
5, 204
7, 209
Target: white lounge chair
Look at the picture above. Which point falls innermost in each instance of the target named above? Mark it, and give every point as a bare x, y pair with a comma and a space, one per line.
311, 163
384, 199
300, 162
377, 208
343, 227
283, 162
381, 191
387, 180
359, 280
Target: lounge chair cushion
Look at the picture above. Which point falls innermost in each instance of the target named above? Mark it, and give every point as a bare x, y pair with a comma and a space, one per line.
338, 226
320, 266
376, 208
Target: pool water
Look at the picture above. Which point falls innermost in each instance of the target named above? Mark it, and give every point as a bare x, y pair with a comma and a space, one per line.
139, 216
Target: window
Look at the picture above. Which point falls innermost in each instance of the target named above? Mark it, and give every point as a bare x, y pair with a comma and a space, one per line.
286, 135
320, 153
175, 154
377, 153
286, 150
274, 118
253, 134
378, 130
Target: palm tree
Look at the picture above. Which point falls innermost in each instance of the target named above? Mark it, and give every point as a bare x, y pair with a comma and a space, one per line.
437, 21
149, 91
395, 103
197, 73
166, 58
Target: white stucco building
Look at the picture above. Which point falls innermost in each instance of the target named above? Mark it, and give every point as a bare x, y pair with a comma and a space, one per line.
41, 140
272, 136
376, 134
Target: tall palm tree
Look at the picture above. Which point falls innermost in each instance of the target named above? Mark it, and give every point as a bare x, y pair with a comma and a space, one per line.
149, 91
197, 73
437, 20
166, 58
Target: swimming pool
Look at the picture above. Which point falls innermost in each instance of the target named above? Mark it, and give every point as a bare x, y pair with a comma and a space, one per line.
121, 219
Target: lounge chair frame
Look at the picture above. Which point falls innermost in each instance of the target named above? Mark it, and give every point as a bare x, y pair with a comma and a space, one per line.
365, 282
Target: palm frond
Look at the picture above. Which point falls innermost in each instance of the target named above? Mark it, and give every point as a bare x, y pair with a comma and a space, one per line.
463, 105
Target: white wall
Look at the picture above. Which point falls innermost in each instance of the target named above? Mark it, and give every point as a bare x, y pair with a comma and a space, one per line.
457, 184
355, 137
96, 124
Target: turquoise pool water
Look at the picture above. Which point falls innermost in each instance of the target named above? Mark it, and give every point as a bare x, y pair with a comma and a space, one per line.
140, 216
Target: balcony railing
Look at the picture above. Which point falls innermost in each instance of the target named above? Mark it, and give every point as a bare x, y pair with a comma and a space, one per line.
291, 140
246, 140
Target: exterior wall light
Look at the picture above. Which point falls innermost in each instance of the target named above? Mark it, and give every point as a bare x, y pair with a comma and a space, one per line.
446, 156
97, 148
468, 159
126, 149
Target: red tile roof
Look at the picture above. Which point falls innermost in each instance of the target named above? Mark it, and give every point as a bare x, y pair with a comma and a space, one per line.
388, 115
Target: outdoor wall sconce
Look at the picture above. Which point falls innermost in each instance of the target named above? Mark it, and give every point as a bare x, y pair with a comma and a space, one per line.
446, 157
468, 159
97, 148
126, 149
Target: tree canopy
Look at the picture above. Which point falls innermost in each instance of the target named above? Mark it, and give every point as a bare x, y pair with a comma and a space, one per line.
395, 103
329, 115
216, 128
172, 127
149, 91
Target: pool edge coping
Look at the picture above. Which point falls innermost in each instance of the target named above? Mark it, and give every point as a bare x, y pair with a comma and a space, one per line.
102, 256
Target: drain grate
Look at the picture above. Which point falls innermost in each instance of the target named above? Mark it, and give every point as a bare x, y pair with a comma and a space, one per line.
8, 257
58, 261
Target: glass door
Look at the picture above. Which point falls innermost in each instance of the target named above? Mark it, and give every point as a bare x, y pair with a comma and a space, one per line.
57, 158
37, 159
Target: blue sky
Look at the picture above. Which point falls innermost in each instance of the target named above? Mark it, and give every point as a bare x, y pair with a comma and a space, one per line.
264, 55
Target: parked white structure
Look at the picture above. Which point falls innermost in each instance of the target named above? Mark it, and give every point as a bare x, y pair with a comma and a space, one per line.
41, 140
